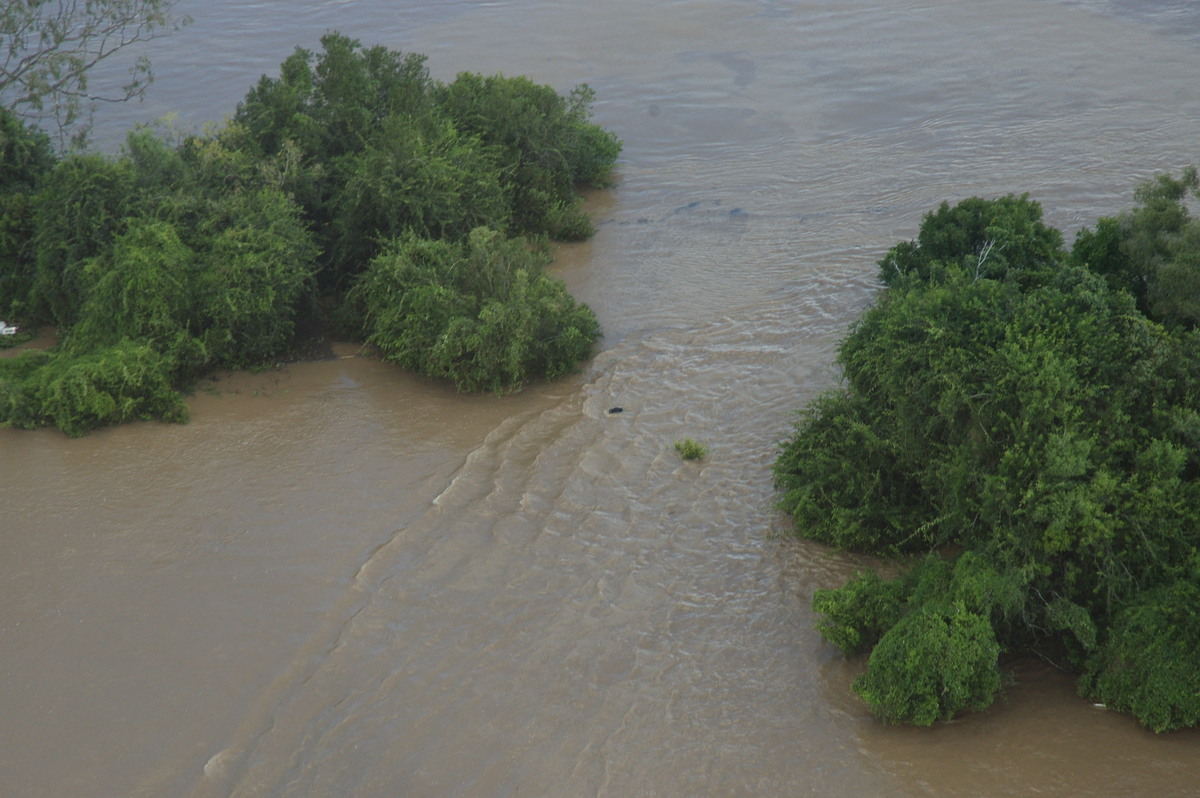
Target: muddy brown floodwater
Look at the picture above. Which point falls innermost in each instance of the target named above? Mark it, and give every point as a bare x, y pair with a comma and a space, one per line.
343, 580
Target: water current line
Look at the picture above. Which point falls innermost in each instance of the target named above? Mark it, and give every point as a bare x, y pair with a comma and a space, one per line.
227, 771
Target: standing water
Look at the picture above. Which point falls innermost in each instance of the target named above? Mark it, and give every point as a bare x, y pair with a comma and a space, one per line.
343, 580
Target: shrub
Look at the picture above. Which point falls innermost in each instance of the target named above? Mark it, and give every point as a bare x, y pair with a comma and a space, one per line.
123, 382
480, 313
83, 205
1022, 423
414, 176
858, 613
1152, 251
690, 449
1147, 665
548, 141
205, 249
26, 157
933, 664
979, 237
232, 303
385, 151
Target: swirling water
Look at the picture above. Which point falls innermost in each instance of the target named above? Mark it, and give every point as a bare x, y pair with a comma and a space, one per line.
340, 579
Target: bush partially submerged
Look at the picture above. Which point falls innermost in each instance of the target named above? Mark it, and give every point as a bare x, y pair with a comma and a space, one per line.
152, 281
1011, 408
482, 313
382, 150
691, 449
124, 381
176, 258
1147, 665
934, 663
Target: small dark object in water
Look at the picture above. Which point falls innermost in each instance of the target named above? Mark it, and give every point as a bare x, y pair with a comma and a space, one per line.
617, 409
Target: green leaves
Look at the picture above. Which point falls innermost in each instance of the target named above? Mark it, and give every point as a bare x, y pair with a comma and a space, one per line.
1152, 251
205, 250
83, 205
386, 151
841, 479
860, 611
417, 177
482, 313
979, 238
26, 157
691, 449
931, 633
125, 381
548, 140
156, 267
1147, 665
1015, 417
933, 664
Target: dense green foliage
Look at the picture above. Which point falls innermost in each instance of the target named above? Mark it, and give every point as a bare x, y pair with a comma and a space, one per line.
1152, 251
26, 157
384, 150
910, 677
419, 210
1029, 422
126, 381
545, 139
155, 267
1148, 666
481, 313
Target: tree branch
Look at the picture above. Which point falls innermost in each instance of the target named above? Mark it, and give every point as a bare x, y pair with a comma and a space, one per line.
51, 45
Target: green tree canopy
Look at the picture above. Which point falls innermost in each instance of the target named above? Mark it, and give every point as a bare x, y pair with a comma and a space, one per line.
352, 174
155, 266
481, 313
1020, 422
1152, 251
384, 151
26, 157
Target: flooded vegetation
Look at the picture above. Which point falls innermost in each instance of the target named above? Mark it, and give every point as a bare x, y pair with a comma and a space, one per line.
341, 578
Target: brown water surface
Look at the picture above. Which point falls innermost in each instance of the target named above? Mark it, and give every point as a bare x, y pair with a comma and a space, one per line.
342, 580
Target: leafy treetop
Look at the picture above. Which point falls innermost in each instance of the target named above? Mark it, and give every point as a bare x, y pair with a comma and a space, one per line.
1027, 427
418, 212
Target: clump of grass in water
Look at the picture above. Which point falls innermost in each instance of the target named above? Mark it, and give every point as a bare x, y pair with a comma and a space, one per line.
690, 449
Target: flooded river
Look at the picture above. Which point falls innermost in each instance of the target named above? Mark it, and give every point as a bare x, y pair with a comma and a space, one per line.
343, 580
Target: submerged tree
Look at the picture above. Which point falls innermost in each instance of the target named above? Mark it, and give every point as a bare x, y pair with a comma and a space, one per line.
1152, 251
352, 174
155, 267
1014, 418
384, 151
481, 313
26, 157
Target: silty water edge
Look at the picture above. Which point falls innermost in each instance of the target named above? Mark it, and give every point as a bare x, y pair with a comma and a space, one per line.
344, 580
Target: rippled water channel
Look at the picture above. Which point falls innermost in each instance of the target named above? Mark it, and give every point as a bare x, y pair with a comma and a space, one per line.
343, 580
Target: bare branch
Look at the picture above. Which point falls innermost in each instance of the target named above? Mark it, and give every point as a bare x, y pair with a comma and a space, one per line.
47, 48
984, 251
